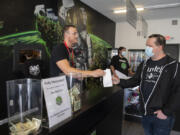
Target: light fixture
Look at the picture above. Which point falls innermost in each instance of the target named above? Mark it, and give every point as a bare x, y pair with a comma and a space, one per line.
140, 9
124, 10
171, 5
120, 11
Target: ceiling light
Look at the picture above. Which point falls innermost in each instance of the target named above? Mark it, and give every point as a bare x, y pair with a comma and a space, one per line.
124, 10
140, 9
120, 11
171, 5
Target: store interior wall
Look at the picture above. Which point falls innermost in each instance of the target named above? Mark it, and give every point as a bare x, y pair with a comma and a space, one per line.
25, 24
126, 35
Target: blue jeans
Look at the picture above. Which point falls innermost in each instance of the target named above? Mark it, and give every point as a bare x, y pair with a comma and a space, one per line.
155, 126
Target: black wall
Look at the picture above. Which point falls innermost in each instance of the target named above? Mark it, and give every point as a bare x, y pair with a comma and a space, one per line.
17, 16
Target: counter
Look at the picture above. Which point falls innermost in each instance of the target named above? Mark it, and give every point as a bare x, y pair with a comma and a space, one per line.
102, 110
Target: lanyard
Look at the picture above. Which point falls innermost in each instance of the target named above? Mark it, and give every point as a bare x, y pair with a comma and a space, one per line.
71, 54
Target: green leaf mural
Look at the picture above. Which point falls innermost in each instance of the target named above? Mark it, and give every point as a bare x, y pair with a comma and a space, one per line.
100, 48
51, 31
26, 38
29, 37
99, 42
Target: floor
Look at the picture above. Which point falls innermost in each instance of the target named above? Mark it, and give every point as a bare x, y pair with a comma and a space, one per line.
134, 128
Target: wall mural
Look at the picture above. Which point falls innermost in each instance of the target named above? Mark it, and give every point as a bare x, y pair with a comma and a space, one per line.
37, 25
90, 51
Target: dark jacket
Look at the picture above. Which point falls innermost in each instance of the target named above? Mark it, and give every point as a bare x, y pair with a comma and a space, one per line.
166, 92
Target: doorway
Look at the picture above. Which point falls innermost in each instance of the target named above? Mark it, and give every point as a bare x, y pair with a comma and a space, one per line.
172, 50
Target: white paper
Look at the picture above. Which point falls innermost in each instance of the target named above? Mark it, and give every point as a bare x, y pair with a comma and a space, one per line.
121, 75
107, 78
54, 89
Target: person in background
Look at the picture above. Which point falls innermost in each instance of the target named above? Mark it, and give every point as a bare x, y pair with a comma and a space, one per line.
159, 78
62, 56
120, 63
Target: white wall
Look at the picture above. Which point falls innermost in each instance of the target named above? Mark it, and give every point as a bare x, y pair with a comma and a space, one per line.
165, 27
126, 35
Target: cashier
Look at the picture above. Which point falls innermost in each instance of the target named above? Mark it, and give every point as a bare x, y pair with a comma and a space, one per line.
62, 56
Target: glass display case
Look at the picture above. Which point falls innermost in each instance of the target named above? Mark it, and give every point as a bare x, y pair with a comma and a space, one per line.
24, 98
74, 82
135, 57
131, 95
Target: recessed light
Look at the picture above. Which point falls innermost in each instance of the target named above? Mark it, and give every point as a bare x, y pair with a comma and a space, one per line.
124, 10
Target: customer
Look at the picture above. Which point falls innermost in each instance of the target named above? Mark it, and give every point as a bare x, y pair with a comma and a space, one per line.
62, 57
159, 80
120, 63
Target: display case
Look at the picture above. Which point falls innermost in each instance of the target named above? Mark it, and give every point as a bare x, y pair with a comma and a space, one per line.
131, 95
131, 103
135, 57
74, 82
24, 98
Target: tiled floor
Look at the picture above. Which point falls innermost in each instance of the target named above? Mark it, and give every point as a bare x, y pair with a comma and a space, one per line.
134, 128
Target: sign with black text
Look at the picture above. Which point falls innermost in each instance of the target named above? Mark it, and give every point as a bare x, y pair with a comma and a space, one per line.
57, 99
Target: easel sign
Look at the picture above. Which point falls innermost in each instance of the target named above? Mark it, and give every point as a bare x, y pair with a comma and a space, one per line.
57, 99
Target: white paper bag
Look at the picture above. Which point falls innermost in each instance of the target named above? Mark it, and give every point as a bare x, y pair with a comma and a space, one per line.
107, 78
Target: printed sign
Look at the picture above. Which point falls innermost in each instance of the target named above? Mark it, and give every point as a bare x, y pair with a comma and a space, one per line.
57, 99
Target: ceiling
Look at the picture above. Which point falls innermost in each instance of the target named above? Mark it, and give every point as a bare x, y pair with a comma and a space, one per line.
154, 9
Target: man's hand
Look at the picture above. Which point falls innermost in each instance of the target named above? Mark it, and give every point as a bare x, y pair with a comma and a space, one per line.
160, 115
97, 73
115, 80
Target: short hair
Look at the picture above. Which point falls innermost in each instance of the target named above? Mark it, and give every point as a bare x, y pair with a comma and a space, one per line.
66, 28
160, 39
120, 48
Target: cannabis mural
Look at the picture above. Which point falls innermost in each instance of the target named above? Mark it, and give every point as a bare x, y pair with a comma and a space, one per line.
43, 25
28, 25
91, 51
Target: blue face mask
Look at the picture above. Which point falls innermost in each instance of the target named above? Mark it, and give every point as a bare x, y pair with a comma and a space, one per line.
123, 53
149, 51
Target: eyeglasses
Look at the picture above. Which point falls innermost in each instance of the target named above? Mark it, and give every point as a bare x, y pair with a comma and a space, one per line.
73, 33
